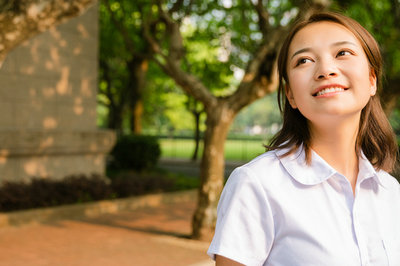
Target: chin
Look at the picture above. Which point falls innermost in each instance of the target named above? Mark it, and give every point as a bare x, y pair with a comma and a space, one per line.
333, 115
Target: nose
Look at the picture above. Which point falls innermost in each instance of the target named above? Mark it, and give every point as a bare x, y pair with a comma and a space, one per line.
325, 69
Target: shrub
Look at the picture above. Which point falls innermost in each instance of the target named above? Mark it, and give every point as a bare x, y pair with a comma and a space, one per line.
49, 192
131, 183
79, 188
135, 152
15, 196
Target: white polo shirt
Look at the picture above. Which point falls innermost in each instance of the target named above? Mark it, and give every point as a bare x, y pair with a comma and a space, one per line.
281, 211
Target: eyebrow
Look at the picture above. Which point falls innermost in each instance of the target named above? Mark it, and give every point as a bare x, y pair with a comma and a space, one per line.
334, 44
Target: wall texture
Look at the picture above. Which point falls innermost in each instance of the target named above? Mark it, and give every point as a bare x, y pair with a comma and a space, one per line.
48, 90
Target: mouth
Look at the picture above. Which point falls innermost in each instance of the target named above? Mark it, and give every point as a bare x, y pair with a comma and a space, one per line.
329, 89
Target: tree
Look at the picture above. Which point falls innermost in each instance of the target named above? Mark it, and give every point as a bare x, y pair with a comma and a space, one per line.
253, 48
122, 30
23, 19
113, 72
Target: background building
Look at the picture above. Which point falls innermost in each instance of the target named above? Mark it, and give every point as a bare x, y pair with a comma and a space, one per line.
48, 90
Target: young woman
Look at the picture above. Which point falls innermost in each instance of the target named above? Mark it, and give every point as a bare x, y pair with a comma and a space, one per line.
321, 195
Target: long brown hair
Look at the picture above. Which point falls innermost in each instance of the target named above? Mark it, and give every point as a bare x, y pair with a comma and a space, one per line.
375, 135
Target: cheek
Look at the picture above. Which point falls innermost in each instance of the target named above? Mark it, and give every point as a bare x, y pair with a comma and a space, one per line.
360, 71
301, 75
299, 83
362, 79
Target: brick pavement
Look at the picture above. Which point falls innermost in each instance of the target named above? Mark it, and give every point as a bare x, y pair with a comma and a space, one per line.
144, 237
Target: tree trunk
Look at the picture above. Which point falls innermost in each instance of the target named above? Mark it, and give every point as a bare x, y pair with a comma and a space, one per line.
137, 114
196, 135
218, 122
115, 118
137, 81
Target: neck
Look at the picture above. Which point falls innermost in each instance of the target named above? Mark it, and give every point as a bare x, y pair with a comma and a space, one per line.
336, 144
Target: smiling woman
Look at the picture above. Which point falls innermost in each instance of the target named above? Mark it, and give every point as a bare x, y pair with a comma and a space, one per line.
328, 78
322, 194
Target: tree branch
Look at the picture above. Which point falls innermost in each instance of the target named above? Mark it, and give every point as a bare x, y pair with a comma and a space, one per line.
260, 75
263, 17
170, 63
173, 34
149, 35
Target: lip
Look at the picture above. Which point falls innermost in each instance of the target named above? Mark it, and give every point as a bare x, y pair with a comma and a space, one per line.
328, 86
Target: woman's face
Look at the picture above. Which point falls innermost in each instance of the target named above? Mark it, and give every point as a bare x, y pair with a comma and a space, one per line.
328, 73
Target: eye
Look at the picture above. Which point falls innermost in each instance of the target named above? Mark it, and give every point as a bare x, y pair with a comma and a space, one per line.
343, 53
302, 61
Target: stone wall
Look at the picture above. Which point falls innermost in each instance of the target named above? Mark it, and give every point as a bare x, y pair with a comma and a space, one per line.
48, 90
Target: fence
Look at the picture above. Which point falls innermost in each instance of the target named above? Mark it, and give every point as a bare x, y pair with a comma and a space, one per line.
235, 149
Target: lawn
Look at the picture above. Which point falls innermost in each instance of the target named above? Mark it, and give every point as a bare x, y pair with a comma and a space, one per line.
235, 150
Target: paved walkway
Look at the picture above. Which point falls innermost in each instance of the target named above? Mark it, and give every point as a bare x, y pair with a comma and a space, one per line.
148, 236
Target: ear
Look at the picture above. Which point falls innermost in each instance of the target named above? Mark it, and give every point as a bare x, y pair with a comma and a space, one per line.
372, 80
289, 96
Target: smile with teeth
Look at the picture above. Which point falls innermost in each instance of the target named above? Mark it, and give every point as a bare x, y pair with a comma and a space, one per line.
329, 90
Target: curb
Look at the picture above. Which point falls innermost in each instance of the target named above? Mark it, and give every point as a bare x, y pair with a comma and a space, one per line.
92, 209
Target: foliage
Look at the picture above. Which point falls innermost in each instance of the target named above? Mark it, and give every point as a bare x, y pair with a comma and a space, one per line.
113, 74
165, 109
220, 37
122, 42
137, 152
48, 192
219, 40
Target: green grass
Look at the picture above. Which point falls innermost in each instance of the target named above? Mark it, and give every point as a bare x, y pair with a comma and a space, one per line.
235, 150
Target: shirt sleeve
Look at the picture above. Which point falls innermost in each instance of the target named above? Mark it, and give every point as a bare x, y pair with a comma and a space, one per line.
245, 229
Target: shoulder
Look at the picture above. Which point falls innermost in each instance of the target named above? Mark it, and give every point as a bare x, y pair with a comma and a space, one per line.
266, 161
385, 179
389, 181
263, 172
245, 227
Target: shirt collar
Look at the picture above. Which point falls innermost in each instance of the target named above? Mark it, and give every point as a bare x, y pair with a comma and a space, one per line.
367, 170
319, 170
